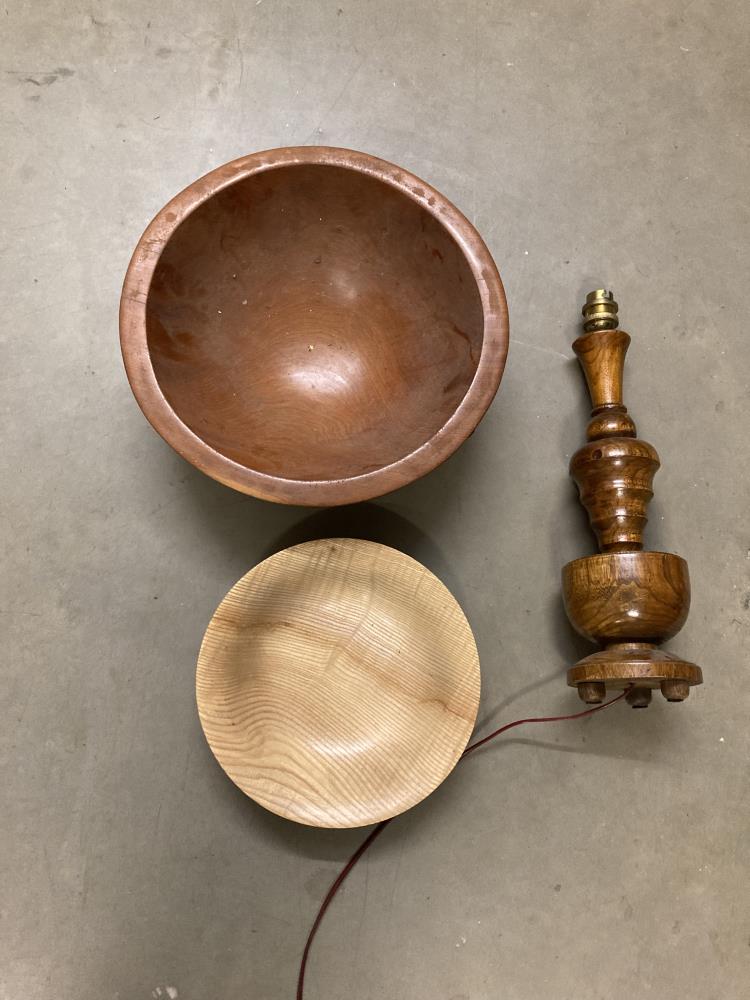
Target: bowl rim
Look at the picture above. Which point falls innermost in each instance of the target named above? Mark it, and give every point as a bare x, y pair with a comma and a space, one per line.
324, 492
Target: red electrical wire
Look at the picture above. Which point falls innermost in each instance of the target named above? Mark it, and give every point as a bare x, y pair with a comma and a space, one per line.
375, 833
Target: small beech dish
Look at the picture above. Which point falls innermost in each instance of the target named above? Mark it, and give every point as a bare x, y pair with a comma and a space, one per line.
313, 326
338, 683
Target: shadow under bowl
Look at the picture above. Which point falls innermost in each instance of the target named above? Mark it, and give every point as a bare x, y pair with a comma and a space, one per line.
313, 326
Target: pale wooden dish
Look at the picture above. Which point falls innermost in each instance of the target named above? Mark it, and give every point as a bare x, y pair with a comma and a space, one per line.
338, 683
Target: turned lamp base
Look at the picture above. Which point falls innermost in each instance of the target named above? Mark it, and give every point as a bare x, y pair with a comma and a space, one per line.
625, 599
629, 602
636, 666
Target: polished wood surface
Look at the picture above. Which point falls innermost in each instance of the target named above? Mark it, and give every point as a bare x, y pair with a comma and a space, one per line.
313, 325
338, 683
634, 665
603, 360
625, 599
633, 595
614, 472
614, 478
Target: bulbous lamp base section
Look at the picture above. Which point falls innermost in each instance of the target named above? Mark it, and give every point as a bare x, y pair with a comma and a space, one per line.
629, 602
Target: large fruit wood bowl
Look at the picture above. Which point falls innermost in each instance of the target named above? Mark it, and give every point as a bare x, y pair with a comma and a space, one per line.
313, 326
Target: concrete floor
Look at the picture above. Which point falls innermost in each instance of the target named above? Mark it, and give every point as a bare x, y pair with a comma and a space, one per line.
590, 142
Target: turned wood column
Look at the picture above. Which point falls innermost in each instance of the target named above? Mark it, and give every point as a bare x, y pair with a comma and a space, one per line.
625, 599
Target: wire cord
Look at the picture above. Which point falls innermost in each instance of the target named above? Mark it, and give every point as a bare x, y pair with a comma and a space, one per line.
376, 831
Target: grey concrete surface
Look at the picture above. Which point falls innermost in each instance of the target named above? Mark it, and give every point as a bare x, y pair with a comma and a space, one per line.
601, 860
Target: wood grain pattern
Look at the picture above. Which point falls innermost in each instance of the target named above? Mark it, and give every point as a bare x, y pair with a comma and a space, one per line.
615, 471
641, 596
602, 358
615, 478
640, 664
313, 325
338, 683
625, 599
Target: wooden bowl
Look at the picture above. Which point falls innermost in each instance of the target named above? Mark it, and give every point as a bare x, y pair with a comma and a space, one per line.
313, 325
338, 683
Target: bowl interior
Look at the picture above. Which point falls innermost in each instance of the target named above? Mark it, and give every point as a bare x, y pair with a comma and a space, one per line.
338, 682
313, 322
